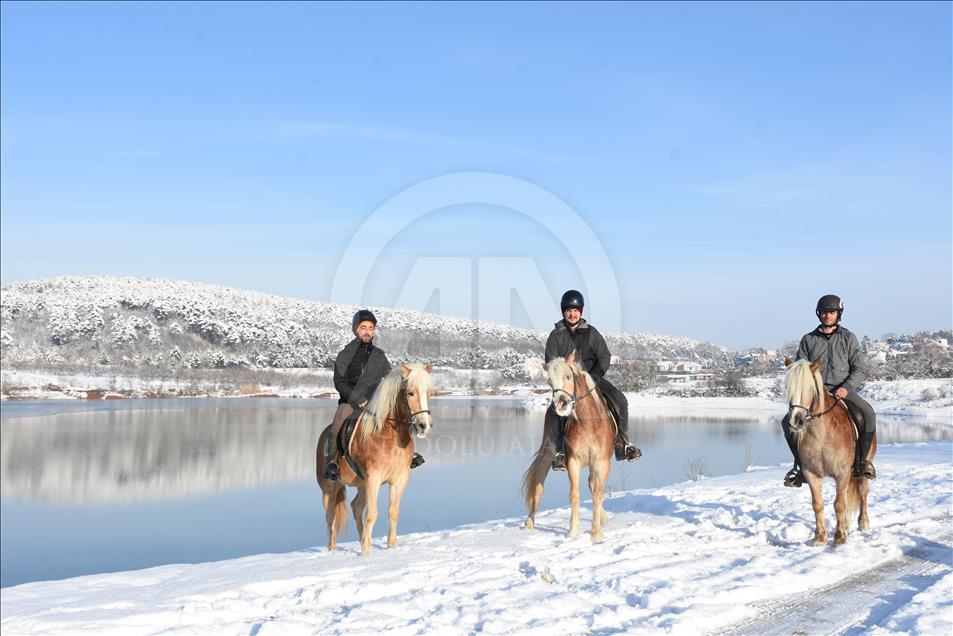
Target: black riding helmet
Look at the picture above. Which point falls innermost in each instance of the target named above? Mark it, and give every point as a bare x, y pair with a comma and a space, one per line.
830, 302
362, 315
572, 299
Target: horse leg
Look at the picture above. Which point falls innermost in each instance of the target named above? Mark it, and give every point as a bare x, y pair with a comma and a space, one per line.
863, 489
331, 509
817, 501
396, 491
357, 509
574, 468
598, 471
370, 514
840, 508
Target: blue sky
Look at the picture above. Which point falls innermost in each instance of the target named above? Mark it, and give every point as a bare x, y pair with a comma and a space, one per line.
734, 161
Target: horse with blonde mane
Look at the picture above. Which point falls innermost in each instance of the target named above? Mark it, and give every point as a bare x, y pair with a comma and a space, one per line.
382, 447
590, 437
826, 448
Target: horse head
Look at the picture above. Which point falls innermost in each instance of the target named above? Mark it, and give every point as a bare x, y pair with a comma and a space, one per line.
562, 374
417, 392
805, 392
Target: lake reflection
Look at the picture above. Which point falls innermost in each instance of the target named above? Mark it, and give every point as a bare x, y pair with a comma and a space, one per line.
95, 487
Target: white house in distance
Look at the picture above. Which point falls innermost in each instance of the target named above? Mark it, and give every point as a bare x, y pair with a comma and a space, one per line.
678, 366
681, 371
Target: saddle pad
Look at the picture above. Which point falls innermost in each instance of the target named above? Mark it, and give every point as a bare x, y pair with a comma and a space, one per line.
344, 441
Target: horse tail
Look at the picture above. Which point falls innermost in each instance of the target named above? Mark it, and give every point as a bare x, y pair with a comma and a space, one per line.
535, 475
854, 496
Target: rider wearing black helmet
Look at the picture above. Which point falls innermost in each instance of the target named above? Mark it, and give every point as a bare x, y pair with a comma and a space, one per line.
358, 369
843, 373
572, 333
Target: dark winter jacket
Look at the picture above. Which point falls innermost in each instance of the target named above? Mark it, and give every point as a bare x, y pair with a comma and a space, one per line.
358, 369
843, 363
590, 347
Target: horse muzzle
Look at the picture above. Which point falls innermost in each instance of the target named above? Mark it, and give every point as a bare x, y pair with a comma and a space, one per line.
421, 424
562, 406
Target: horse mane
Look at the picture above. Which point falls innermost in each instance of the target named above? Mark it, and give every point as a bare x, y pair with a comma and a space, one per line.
384, 398
557, 367
800, 376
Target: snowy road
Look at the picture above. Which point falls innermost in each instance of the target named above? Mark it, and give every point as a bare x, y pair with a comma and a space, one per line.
864, 602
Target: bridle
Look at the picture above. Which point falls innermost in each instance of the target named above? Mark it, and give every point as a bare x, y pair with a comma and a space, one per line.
808, 414
411, 419
573, 398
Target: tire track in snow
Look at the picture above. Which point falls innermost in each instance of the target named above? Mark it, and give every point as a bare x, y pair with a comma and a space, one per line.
858, 603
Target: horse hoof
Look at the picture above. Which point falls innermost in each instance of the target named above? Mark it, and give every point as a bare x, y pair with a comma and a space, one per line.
392, 544
597, 537
528, 524
573, 534
820, 541
840, 540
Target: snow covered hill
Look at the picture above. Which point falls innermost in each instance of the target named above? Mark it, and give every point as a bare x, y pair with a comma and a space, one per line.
166, 324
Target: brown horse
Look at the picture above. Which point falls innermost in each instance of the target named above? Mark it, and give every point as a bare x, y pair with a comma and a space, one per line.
825, 442
590, 436
382, 446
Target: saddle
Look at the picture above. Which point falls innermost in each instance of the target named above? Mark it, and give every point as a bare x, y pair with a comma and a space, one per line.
344, 441
613, 412
856, 417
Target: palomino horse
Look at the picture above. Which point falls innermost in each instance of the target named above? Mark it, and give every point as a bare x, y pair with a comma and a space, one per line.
382, 446
825, 442
590, 436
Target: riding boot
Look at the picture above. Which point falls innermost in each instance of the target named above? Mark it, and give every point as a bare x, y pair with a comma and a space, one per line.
624, 449
559, 458
331, 471
416, 461
862, 467
794, 478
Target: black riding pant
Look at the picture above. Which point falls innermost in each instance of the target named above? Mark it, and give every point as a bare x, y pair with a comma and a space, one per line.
860, 404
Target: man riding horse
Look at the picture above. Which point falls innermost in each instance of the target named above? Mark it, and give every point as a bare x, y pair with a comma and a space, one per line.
358, 369
570, 334
843, 374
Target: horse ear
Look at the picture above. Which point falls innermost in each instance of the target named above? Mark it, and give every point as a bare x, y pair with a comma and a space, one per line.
404, 369
429, 368
816, 364
787, 361
571, 358
543, 365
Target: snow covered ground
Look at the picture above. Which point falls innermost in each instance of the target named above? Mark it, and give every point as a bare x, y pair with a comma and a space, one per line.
724, 554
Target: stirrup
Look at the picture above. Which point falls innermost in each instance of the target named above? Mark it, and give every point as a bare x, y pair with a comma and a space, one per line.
331, 471
416, 461
559, 461
628, 452
794, 478
867, 471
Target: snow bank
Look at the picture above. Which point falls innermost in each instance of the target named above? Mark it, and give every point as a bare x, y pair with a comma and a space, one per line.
687, 558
